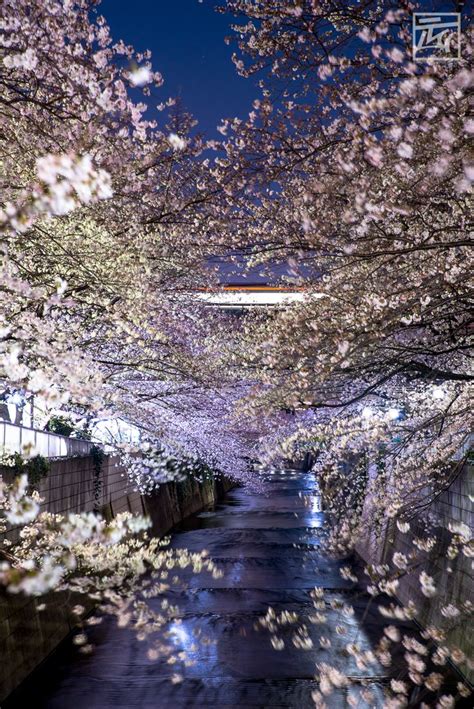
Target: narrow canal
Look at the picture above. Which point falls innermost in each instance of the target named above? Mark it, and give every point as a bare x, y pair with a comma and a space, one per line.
270, 547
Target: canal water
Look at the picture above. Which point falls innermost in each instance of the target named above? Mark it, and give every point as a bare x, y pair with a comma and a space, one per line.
270, 546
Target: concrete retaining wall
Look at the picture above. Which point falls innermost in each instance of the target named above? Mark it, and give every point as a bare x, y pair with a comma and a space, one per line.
452, 577
28, 635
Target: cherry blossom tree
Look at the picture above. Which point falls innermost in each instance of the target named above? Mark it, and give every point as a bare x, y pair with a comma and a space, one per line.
104, 223
359, 164
100, 208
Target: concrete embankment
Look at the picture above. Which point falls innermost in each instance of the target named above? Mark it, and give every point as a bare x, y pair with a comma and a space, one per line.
452, 575
29, 632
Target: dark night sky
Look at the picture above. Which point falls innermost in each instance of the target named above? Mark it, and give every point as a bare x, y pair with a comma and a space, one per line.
187, 41
186, 38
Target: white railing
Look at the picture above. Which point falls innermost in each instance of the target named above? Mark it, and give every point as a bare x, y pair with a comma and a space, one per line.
13, 439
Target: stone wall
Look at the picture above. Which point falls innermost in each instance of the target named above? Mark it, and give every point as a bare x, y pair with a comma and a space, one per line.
452, 578
29, 633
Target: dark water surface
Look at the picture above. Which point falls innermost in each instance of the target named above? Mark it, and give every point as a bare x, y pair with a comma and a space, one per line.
270, 546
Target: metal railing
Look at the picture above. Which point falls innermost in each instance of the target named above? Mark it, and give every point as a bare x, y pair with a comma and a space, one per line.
13, 439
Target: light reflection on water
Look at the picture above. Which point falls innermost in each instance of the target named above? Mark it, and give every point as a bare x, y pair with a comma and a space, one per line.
270, 548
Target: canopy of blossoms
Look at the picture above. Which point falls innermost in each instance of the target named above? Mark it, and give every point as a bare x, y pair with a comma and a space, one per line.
354, 167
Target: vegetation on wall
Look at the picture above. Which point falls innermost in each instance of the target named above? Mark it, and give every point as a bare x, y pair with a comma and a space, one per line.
36, 467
